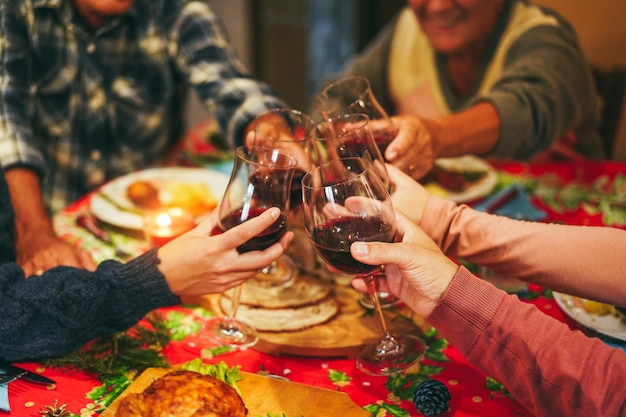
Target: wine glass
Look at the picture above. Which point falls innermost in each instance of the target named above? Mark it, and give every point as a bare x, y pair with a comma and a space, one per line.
347, 135
287, 130
261, 179
353, 94
345, 201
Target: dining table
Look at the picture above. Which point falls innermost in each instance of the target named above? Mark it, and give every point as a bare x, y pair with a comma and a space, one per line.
589, 193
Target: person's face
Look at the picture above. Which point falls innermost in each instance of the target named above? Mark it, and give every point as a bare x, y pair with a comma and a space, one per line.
457, 26
96, 12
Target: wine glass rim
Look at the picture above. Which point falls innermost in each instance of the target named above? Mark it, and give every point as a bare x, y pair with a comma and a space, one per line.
340, 81
306, 179
287, 110
361, 121
276, 155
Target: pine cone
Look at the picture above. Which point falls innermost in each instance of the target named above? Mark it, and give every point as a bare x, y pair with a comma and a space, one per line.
431, 397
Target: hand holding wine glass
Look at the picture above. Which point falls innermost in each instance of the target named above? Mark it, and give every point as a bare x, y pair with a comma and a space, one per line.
344, 202
261, 179
287, 130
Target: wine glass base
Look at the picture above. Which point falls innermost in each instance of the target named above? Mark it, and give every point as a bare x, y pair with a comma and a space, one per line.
280, 273
226, 331
386, 299
391, 355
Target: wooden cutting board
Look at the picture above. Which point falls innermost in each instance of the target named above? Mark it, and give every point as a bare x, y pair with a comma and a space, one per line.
342, 336
263, 394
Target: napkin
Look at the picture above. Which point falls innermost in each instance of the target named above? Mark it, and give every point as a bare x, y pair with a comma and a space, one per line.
518, 206
4, 398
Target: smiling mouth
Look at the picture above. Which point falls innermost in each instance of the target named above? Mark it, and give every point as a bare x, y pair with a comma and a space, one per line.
443, 21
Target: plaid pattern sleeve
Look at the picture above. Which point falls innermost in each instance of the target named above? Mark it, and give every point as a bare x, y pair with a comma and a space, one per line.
84, 106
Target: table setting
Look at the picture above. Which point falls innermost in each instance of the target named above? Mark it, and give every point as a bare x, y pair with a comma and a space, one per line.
315, 369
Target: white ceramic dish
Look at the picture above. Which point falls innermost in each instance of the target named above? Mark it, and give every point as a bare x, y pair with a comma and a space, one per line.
607, 325
481, 188
124, 214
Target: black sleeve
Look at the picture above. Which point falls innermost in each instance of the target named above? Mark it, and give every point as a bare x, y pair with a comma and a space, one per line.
59, 311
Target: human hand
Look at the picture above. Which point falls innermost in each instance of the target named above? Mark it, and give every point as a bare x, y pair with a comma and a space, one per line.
408, 195
413, 149
288, 130
416, 270
198, 263
40, 252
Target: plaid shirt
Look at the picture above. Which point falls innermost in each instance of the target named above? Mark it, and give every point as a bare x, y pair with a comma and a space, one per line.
81, 107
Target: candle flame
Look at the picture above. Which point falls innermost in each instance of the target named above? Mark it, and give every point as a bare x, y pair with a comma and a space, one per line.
164, 220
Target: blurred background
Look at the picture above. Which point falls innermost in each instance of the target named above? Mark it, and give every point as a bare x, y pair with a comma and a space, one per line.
296, 45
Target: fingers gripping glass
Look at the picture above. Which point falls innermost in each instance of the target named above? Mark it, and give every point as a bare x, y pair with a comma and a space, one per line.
345, 201
261, 179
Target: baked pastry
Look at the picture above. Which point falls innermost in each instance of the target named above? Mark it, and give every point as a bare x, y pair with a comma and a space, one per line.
302, 292
285, 319
184, 394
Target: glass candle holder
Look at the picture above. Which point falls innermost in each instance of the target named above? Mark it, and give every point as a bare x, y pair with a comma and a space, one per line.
162, 225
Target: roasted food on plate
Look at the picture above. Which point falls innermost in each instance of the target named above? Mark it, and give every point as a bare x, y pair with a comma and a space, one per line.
143, 194
184, 394
454, 177
152, 194
602, 309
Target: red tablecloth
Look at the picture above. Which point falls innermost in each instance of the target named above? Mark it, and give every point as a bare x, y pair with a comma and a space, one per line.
470, 395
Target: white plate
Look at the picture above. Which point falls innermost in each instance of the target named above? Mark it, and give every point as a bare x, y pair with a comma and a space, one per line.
124, 214
479, 189
608, 325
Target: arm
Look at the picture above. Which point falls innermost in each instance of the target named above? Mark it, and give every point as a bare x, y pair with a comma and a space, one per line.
420, 141
578, 260
52, 314
545, 91
36, 244
563, 372
560, 373
210, 65
59, 311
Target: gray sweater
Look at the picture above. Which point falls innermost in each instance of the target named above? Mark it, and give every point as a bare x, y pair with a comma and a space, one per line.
62, 309
545, 91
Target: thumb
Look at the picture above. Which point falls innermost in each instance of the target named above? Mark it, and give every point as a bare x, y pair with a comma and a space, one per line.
373, 253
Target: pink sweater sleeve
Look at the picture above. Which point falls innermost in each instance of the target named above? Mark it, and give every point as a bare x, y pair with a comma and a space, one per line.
550, 370
578, 260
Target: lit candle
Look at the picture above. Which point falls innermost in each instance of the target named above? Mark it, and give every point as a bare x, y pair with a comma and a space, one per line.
161, 226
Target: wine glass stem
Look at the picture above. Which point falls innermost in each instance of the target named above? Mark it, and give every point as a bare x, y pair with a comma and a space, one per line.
371, 289
268, 269
234, 304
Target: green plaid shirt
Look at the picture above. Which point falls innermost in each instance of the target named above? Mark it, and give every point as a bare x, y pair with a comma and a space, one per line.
81, 107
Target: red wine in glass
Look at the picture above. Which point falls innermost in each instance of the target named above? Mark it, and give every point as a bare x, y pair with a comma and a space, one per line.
260, 179
295, 197
346, 201
353, 94
334, 237
261, 241
383, 138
